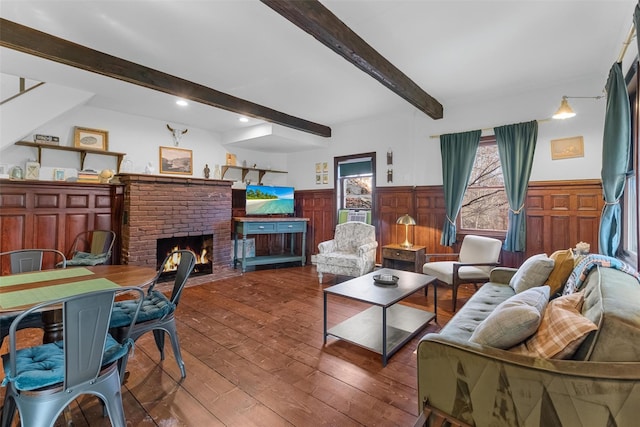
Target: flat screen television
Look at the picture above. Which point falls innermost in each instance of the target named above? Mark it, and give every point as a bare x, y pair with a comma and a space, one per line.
269, 200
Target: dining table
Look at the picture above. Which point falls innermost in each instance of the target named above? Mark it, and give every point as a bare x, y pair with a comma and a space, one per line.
19, 292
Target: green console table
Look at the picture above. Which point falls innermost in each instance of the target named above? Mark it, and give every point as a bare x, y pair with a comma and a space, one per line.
246, 226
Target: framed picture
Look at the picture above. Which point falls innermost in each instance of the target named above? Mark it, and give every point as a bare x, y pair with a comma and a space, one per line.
91, 139
176, 160
33, 170
567, 148
58, 175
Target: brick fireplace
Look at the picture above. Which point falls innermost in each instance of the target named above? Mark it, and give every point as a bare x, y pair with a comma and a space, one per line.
158, 207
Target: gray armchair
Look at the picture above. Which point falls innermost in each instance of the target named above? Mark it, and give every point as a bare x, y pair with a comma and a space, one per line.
352, 251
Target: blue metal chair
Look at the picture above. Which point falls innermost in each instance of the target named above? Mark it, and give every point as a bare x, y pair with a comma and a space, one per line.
92, 248
158, 312
43, 380
24, 261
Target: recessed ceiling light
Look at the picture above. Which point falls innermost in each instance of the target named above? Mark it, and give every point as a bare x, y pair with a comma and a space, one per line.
243, 119
182, 102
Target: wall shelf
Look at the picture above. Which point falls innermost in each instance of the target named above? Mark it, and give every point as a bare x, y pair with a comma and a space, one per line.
246, 170
83, 151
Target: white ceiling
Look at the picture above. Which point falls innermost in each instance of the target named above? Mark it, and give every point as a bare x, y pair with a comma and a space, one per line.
457, 51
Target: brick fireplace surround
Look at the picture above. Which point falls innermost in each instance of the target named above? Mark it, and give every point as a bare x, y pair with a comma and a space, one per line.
158, 207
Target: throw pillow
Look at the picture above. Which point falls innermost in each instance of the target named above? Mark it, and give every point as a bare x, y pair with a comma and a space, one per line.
533, 272
563, 265
562, 329
513, 320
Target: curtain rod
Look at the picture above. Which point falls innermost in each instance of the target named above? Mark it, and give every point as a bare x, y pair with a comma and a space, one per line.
489, 129
627, 42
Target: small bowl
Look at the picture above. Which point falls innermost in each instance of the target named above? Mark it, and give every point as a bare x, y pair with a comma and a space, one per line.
385, 279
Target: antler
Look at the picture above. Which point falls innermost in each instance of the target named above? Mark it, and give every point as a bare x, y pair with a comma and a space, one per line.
170, 128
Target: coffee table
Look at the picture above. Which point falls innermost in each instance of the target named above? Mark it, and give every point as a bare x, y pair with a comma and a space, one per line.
387, 326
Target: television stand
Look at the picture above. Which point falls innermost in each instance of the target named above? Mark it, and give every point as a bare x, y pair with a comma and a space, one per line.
246, 226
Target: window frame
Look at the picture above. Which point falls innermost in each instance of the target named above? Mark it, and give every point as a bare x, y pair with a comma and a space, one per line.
497, 234
630, 257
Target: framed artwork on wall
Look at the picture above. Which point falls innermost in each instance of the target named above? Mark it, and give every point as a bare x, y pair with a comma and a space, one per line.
91, 139
175, 160
567, 148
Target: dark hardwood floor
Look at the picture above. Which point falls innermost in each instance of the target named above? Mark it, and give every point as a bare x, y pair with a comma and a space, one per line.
254, 354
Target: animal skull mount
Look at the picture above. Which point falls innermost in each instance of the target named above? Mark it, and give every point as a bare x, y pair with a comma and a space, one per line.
177, 134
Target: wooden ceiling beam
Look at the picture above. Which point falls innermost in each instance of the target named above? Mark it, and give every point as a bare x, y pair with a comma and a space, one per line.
28, 40
321, 23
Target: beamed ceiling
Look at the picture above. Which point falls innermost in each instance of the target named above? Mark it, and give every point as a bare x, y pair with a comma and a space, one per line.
307, 65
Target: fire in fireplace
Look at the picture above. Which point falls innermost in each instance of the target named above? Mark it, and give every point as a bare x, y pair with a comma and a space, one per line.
202, 246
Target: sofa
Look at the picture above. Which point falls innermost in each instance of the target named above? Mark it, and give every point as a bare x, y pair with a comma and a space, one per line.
469, 383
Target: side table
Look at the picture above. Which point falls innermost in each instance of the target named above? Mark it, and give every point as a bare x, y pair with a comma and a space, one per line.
407, 259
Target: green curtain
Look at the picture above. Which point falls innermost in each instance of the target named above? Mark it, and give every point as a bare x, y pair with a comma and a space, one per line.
458, 153
615, 159
516, 146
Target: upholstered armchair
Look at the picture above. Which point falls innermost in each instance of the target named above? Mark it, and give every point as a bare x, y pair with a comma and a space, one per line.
478, 255
351, 252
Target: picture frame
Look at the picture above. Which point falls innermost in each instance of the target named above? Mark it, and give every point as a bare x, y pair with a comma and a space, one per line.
91, 139
174, 160
58, 174
567, 148
32, 171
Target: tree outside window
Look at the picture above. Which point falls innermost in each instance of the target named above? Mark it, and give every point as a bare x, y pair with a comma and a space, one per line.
485, 207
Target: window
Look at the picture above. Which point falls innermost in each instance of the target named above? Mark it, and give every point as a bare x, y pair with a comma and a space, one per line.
630, 214
485, 207
355, 183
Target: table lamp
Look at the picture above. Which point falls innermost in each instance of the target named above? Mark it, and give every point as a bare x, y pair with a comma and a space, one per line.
406, 220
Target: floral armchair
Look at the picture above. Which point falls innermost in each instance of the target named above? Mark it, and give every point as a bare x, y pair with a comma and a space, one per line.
352, 252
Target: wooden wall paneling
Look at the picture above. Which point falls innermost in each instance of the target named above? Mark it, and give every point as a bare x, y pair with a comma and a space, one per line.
430, 216
391, 203
561, 214
319, 207
44, 214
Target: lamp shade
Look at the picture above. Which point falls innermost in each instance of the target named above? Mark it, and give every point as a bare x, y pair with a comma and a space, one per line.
565, 111
406, 220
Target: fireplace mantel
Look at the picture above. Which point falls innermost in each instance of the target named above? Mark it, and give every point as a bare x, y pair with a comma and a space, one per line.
125, 178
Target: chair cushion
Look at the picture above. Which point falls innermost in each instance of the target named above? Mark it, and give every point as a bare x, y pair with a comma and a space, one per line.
43, 365
85, 258
443, 271
562, 329
154, 306
513, 320
533, 272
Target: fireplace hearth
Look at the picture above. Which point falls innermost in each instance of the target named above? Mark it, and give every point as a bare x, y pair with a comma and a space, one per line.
201, 246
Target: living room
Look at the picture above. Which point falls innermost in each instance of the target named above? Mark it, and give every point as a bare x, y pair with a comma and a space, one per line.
389, 125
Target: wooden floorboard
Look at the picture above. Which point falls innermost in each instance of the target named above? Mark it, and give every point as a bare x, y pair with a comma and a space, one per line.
253, 348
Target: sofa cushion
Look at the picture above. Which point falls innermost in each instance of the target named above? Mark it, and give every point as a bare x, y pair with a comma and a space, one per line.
533, 272
474, 311
561, 331
563, 265
513, 320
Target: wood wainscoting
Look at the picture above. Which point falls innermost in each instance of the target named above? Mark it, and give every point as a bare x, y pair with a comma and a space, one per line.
559, 215
44, 214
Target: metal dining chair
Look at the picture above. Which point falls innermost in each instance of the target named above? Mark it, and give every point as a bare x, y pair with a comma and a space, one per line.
92, 247
43, 380
158, 311
24, 261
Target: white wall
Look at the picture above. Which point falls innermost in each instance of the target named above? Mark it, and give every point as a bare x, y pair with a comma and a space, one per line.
138, 137
407, 132
416, 159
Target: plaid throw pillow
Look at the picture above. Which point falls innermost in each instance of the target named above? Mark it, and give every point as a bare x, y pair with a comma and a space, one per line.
562, 329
